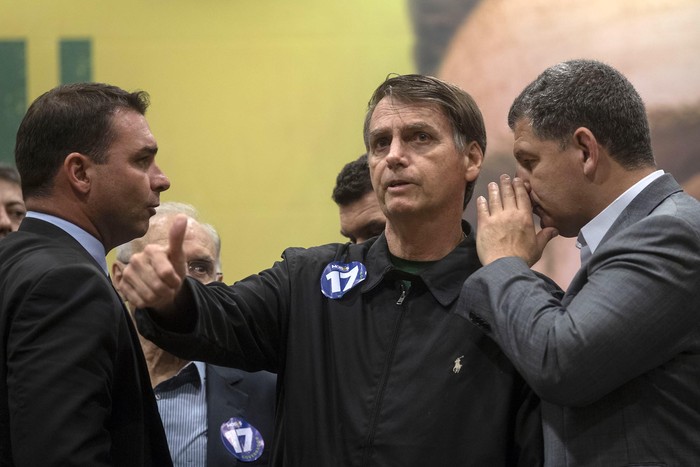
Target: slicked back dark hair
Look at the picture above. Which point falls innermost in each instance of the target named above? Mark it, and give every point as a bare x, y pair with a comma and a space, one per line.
458, 106
590, 94
353, 182
69, 118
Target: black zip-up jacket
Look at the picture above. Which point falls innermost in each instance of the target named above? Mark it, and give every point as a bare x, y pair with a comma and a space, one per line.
378, 377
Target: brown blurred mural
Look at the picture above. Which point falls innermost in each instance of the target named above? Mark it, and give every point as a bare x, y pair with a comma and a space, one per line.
494, 48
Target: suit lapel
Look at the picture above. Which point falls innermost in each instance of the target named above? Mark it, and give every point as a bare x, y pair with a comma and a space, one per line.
225, 399
641, 206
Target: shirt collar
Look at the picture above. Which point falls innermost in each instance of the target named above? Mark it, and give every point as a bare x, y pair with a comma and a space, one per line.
595, 230
201, 370
192, 373
91, 244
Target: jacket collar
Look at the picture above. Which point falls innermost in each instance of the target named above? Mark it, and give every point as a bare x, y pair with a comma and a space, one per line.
444, 278
49, 230
644, 203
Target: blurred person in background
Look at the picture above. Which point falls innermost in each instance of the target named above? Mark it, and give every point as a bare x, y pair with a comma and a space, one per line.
361, 217
12, 208
195, 399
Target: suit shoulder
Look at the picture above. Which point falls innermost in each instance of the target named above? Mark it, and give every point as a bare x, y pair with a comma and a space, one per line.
51, 264
678, 209
52, 273
37, 249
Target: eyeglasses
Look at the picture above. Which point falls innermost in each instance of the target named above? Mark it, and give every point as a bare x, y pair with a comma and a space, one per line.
203, 270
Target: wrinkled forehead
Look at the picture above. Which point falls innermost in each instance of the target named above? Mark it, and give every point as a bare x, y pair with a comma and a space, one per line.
391, 112
197, 241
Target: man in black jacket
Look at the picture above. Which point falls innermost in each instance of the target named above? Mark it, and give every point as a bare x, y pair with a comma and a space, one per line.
376, 368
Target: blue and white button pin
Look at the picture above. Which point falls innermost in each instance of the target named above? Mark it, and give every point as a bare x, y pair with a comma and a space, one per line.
337, 278
242, 440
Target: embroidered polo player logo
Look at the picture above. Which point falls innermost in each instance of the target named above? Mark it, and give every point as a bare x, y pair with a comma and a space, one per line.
458, 365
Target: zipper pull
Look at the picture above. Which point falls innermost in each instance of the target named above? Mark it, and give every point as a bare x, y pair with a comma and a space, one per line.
404, 292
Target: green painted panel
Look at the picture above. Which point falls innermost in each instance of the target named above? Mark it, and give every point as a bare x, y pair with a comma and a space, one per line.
13, 95
76, 60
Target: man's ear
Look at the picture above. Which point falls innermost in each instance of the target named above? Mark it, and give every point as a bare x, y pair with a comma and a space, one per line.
474, 157
117, 273
587, 143
76, 168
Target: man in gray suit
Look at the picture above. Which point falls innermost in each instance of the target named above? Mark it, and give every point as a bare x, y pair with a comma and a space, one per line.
616, 358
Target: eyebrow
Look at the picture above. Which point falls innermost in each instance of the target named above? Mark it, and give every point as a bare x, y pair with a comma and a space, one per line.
206, 259
378, 132
421, 125
148, 150
520, 153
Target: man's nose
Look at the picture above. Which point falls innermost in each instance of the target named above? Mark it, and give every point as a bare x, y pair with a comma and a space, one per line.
397, 153
159, 181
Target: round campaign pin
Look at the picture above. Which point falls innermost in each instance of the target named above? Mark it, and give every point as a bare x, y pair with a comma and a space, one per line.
242, 439
337, 278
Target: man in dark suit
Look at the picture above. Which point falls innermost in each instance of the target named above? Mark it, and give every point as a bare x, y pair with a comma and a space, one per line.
616, 360
74, 386
196, 399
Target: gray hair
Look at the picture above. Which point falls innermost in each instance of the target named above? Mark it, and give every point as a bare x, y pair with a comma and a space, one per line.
590, 94
170, 209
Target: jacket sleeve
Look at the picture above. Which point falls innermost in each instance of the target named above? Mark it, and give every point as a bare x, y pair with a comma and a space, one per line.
60, 363
241, 325
636, 311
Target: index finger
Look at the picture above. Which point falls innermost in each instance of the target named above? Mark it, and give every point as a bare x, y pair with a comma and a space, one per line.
522, 197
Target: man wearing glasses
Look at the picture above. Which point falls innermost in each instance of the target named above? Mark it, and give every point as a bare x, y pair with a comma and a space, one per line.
196, 400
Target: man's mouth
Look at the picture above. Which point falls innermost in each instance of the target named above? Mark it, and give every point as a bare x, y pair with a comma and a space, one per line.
396, 184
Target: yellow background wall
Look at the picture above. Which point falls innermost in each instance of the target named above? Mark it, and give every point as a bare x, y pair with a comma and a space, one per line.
256, 104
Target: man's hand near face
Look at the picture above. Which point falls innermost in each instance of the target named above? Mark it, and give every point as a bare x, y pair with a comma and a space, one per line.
505, 226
